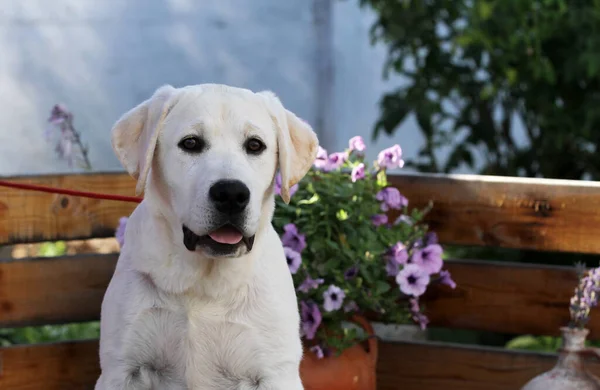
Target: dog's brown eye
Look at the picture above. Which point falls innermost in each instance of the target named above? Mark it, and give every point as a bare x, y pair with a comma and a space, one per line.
255, 146
192, 144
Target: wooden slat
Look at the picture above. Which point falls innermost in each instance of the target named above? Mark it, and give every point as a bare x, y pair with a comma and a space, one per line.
64, 366
503, 297
416, 366
539, 214
406, 366
497, 297
28, 216
536, 214
53, 290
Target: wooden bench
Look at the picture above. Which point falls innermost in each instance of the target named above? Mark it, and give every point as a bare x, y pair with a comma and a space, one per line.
469, 210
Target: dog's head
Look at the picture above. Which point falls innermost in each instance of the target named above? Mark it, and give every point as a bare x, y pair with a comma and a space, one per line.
211, 153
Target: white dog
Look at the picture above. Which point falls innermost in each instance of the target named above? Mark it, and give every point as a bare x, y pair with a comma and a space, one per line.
202, 297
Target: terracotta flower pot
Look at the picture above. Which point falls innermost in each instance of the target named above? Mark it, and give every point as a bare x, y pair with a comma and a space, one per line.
353, 369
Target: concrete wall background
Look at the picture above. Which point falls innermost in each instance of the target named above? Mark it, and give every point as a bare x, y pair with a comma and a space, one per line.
101, 58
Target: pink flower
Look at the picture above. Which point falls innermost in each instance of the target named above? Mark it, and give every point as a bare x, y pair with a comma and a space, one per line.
413, 280
335, 161
358, 172
390, 158
429, 258
357, 143
321, 160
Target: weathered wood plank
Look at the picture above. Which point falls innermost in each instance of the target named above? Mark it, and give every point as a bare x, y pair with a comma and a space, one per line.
29, 216
417, 366
53, 290
407, 366
506, 297
535, 214
538, 214
64, 366
498, 297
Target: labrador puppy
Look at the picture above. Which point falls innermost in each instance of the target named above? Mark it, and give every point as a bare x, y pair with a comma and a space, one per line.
202, 297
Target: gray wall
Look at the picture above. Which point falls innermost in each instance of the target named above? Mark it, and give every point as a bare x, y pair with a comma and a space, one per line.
102, 57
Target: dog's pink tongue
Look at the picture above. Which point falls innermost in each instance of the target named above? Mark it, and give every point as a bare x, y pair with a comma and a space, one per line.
226, 235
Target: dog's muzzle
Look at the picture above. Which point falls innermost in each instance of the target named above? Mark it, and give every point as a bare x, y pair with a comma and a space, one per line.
224, 240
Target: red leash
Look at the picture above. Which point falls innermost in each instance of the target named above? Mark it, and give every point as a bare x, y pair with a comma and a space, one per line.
85, 194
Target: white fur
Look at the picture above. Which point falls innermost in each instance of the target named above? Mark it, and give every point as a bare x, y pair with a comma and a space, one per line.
173, 319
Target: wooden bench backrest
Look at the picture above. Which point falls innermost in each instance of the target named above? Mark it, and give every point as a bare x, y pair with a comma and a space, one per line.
515, 213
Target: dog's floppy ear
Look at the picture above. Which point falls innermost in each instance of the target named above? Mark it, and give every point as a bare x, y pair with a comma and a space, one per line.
296, 141
134, 135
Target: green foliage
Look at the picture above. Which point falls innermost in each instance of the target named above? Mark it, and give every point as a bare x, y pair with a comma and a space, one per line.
533, 343
334, 214
52, 249
49, 333
541, 343
473, 68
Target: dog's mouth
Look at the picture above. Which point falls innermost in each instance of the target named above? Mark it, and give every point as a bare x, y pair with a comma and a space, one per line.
223, 240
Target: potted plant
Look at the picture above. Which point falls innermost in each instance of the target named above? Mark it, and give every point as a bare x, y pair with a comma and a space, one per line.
348, 259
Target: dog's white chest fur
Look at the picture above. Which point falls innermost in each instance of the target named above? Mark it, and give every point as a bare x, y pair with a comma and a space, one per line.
246, 338
198, 344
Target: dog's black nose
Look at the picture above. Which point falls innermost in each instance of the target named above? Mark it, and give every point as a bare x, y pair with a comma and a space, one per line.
229, 196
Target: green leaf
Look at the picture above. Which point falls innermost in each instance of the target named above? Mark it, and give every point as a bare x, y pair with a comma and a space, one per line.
341, 215
381, 287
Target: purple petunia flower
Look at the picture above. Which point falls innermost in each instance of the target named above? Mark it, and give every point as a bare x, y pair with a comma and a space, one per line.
120, 232
277, 189
391, 267
390, 158
391, 198
358, 172
429, 258
350, 307
379, 219
293, 259
318, 351
351, 273
422, 320
415, 312
311, 319
357, 143
398, 253
446, 278
335, 161
334, 298
413, 280
396, 256
310, 284
292, 239
321, 160
430, 238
